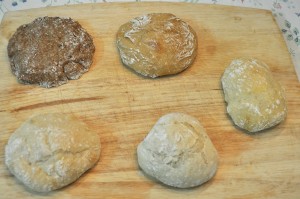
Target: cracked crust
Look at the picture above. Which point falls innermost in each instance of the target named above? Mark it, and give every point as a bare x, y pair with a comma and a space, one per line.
51, 151
49, 51
178, 152
157, 44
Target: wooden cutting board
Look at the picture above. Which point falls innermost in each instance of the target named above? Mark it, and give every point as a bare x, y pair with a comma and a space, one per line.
122, 106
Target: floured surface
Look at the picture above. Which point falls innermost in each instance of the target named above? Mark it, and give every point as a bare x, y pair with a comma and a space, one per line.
123, 106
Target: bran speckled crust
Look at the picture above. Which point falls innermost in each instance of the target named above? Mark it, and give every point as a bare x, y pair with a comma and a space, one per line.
50, 151
49, 51
157, 44
255, 100
178, 152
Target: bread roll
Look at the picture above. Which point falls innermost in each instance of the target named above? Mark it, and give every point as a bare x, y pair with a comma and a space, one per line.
255, 100
178, 152
50, 151
49, 51
157, 44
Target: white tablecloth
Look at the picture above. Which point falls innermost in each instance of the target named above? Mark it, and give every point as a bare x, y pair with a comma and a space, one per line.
286, 13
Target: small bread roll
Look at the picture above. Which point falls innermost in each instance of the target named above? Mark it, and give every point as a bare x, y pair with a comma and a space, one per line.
178, 152
50, 151
157, 44
255, 100
49, 51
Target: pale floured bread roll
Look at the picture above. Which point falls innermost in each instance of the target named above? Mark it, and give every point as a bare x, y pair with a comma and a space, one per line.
157, 44
178, 152
255, 100
50, 151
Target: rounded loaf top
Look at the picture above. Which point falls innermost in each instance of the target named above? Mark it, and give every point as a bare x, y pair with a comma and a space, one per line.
157, 44
178, 152
50, 51
255, 100
50, 151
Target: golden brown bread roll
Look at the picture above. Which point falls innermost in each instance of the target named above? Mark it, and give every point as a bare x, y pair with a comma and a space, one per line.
157, 44
255, 100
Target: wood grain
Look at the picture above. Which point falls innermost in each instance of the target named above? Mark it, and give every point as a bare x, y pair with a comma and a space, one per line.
122, 106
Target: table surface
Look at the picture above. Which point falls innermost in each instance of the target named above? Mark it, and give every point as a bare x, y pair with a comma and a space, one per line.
286, 12
122, 106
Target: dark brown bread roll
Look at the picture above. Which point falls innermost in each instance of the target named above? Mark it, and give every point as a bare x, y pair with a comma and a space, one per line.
49, 51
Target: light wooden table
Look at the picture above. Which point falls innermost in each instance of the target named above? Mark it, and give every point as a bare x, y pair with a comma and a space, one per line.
122, 106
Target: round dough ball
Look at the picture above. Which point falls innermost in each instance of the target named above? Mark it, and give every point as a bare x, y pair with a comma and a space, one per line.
157, 44
49, 51
255, 100
50, 151
178, 152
